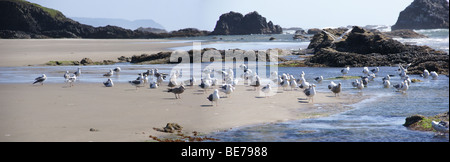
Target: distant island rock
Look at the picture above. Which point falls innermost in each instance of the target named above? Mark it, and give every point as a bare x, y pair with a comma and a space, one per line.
24, 20
126, 24
424, 14
234, 23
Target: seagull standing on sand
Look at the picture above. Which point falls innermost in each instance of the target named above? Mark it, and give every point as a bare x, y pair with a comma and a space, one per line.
205, 84
153, 84
40, 79
256, 83
310, 92
108, 83
214, 97
139, 82
345, 71
335, 88
441, 127
293, 83
177, 91
72, 78
266, 89
227, 89
304, 84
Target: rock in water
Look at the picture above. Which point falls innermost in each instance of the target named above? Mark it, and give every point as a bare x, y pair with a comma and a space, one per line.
424, 14
234, 23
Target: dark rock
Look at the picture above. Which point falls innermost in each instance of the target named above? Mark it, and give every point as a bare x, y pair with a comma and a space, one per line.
364, 48
272, 38
234, 23
86, 61
189, 32
424, 14
314, 31
413, 119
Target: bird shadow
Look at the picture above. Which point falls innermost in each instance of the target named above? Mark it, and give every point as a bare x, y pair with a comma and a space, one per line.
303, 101
260, 97
206, 105
302, 98
169, 98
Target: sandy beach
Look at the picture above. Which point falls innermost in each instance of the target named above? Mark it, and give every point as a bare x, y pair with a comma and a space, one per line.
24, 52
56, 112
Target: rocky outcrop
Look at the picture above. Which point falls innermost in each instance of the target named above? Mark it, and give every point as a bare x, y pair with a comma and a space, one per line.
364, 48
423, 123
234, 23
404, 33
424, 14
22, 19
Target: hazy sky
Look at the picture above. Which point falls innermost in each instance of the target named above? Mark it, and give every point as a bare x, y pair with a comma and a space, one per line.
203, 14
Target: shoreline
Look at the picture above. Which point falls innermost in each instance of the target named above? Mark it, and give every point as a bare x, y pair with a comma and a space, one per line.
55, 112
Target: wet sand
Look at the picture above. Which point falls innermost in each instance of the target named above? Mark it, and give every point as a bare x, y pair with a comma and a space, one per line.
56, 112
24, 52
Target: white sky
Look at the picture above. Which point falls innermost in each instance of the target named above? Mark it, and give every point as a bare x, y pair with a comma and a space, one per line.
203, 14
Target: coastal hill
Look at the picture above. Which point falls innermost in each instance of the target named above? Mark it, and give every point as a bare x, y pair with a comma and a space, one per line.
234, 23
22, 19
123, 23
424, 14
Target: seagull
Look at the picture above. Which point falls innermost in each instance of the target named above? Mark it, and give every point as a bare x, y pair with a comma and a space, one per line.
138, 82
304, 84
376, 70
386, 83
441, 127
310, 92
402, 87
153, 84
293, 83
284, 83
372, 77
366, 70
360, 85
355, 83
205, 84
214, 97
425, 74
335, 88
408, 80
365, 80
345, 71
227, 89
78, 72
160, 79
72, 78
266, 89
177, 91
256, 83
108, 83
40, 79
110, 73
66, 75
434, 75
117, 69
173, 81
319, 79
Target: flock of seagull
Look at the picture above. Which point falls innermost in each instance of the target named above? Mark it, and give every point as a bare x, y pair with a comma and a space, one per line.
284, 80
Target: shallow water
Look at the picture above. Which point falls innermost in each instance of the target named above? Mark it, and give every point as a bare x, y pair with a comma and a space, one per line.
377, 119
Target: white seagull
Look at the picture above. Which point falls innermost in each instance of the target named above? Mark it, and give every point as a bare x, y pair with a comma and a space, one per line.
40, 79
441, 127
214, 97
310, 92
266, 89
108, 83
345, 71
434, 75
